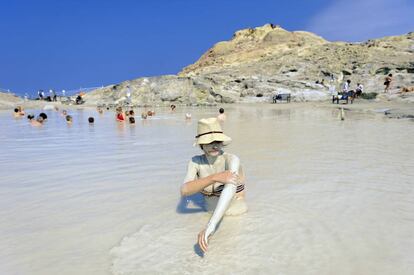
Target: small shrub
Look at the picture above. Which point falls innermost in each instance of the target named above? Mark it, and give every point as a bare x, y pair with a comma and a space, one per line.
369, 95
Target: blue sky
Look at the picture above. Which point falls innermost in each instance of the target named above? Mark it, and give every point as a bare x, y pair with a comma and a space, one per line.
84, 43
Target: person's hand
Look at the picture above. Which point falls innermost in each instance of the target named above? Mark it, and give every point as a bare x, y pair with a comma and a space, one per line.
202, 241
227, 177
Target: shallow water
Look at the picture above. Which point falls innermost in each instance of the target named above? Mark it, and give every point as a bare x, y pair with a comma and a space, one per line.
325, 196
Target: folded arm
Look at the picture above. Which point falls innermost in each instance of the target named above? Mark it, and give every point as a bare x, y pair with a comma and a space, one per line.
194, 185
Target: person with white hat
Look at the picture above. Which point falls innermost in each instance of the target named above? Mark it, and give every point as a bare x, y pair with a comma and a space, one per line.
217, 175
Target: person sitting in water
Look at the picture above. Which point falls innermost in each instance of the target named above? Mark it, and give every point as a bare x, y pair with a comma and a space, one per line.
221, 117
69, 119
21, 110
37, 122
144, 115
18, 112
172, 107
43, 115
131, 120
217, 175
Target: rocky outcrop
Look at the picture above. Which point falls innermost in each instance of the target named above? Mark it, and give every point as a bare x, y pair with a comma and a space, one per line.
9, 101
159, 90
256, 63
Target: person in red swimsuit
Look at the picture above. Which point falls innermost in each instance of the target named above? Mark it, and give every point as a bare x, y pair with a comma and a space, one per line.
120, 115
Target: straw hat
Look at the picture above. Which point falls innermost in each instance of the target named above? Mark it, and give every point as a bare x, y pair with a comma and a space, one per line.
209, 130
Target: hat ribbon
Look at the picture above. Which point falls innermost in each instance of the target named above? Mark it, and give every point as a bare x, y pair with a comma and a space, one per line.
212, 132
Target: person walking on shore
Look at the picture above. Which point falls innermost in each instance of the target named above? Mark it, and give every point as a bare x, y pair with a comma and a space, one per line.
54, 96
50, 97
128, 95
346, 86
40, 94
217, 175
387, 83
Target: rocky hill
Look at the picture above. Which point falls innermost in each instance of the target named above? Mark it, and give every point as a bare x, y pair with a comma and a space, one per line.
256, 63
9, 101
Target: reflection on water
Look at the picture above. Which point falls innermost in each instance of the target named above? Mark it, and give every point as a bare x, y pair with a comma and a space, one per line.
325, 196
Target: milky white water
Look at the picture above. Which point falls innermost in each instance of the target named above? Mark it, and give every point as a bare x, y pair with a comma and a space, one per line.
325, 196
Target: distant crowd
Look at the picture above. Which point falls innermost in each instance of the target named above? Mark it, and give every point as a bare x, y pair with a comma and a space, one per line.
41, 95
347, 92
121, 116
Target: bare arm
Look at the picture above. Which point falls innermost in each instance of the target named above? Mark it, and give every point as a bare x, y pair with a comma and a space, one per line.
225, 199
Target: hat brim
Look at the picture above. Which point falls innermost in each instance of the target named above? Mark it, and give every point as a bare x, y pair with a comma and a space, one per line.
206, 139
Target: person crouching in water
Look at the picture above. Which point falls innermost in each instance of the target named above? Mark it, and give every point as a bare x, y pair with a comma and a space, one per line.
217, 175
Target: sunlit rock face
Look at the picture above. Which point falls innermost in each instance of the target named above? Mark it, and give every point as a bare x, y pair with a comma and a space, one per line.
257, 63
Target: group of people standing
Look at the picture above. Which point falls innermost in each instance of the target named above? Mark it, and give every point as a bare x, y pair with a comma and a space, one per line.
360, 88
347, 91
51, 97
